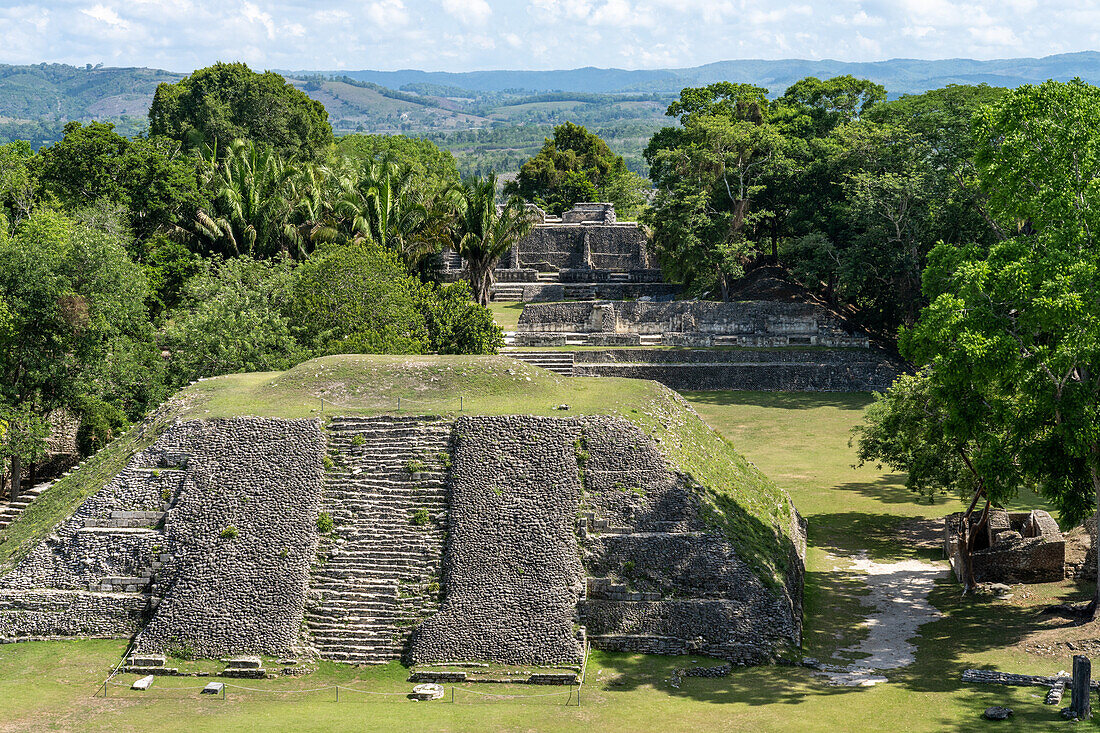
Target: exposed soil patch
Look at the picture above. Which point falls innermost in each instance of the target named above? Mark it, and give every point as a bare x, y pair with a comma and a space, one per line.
898, 601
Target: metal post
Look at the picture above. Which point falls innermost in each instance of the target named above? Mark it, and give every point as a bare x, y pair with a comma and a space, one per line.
322, 407
337, 693
399, 404
452, 694
460, 405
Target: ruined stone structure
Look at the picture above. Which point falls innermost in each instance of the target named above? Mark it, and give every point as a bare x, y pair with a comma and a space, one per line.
683, 323
488, 538
584, 253
1011, 547
761, 345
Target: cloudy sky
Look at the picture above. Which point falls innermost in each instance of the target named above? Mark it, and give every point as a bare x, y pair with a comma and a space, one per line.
463, 35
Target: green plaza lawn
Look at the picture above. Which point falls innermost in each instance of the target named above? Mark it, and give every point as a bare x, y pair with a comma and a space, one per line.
801, 441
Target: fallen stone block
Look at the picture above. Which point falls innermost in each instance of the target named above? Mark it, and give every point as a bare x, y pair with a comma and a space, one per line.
144, 683
213, 688
248, 662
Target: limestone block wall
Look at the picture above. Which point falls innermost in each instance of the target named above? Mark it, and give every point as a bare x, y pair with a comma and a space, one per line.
511, 574
554, 247
147, 551
90, 576
777, 369
241, 537
752, 317
562, 523
660, 578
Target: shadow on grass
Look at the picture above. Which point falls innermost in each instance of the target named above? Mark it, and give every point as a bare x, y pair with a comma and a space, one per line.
847, 533
888, 489
756, 686
784, 400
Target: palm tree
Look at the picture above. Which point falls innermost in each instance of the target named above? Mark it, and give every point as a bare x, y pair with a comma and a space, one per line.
251, 203
378, 202
484, 231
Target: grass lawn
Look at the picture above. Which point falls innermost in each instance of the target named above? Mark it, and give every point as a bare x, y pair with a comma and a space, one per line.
506, 314
799, 440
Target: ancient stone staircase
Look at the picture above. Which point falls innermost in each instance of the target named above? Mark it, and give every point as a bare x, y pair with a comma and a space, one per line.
140, 526
559, 362
507, 292
11, 510
378, 574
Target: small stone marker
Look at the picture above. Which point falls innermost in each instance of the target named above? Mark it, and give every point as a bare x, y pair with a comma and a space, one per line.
1082, 675
144, 683
146, 660
1055, 695
428, 691
213, 688
245, 663
997, 713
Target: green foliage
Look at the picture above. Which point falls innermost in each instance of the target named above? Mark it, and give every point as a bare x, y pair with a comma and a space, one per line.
1012, 330
455, 324
23, 433
230, 533
148, 176
100, 423
483, 232
17, 185
233, 317
420, 518
79, 323
432, 167
577, 166
358, 441
325, 523
414, 466
225, 102
356, 298
708, 174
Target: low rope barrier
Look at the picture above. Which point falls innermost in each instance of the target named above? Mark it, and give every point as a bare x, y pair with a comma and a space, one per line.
512, 697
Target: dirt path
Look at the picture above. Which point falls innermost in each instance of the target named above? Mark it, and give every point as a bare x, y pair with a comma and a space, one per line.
898, 605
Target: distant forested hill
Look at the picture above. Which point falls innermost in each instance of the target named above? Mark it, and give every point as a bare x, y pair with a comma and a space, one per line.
899, 76
36, 101
490, 120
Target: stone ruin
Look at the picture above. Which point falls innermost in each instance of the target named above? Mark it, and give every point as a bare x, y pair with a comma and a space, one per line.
510, 539
1011, 547
683, 323
584, 253
747, 345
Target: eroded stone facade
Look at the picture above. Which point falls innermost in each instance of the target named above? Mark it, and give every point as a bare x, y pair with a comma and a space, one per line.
209, 541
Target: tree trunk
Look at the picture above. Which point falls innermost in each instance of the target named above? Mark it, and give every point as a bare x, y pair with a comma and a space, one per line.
1094, 471
16, 477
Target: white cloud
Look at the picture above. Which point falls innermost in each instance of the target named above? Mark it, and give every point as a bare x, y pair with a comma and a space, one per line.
469, 12
107, 15
253, 14
387, 13
459, 35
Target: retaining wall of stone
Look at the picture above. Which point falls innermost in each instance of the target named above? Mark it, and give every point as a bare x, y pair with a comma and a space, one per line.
661, 578
148, 547
241, 537
787, 370
643, 317
511, 573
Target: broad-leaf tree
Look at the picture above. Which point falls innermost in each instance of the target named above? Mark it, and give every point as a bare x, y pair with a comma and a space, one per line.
226, 102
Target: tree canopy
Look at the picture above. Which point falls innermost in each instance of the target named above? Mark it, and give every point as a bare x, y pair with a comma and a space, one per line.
575, 166
221, 103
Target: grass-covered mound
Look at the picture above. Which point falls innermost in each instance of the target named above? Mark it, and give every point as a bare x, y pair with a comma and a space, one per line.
739, 498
